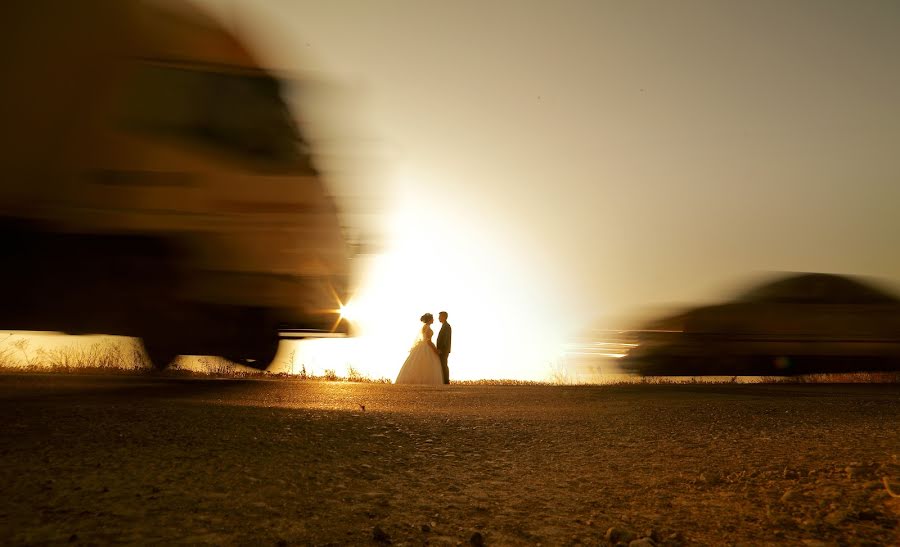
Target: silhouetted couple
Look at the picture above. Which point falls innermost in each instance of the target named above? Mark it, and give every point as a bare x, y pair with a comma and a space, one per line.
427, 361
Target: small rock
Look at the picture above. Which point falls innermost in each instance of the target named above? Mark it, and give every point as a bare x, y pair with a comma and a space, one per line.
872, 485
281, 543
477, 539
836, 517
426, 528
791, 495
867, 514
814, 543
783, 521
652, 534
73, 538
618, 535
643, 542
380, 536
676, 538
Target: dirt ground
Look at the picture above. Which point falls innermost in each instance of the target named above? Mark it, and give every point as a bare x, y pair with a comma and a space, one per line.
97, 460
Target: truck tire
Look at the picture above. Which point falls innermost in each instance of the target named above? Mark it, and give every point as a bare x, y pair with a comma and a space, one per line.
160, 352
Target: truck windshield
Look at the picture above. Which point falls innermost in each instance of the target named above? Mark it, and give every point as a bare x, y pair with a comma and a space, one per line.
239, 114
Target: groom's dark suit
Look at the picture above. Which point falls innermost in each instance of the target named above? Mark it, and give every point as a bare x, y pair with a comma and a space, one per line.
443, 347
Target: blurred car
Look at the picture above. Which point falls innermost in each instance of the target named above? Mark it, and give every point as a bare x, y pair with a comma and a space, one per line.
156, 184
797, 324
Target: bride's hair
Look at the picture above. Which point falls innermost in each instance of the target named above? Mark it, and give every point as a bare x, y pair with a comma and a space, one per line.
426, 317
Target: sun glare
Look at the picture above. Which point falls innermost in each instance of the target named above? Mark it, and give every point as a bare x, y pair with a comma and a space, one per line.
348, 311
436, 262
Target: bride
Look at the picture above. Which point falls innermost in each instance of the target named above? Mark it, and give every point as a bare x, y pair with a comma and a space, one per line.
423, 366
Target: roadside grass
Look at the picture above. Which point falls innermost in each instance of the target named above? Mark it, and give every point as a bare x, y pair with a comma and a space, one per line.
504, 382
624, 380
837, 378
115, 355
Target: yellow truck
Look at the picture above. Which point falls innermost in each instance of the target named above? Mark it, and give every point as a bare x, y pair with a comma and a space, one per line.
155, 184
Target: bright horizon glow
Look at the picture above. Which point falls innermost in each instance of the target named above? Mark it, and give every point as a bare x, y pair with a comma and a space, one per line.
639, 166
438, 261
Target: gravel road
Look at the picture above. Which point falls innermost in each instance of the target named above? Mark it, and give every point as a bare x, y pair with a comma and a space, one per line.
138, 459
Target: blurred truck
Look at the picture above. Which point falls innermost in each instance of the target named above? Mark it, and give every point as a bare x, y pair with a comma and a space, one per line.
155, 184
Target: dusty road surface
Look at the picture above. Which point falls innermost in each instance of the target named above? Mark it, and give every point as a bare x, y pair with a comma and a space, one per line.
96, 460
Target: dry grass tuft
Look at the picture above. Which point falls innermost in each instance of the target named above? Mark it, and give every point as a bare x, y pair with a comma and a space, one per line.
837, 378
126, 356
500, 382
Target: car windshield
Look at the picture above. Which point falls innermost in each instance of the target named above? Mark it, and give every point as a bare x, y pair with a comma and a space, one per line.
238, 114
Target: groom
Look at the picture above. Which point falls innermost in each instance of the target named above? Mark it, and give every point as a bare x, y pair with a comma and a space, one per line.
443, 345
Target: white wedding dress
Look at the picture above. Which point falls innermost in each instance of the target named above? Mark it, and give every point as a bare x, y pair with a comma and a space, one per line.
423, 366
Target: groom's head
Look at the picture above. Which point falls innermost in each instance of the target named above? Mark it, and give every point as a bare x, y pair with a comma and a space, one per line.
442, 317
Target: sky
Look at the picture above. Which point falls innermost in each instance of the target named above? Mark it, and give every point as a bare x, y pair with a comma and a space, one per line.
540, 168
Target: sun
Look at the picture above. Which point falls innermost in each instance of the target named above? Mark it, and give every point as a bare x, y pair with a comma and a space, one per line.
348, 311
435, 261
